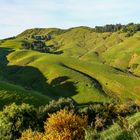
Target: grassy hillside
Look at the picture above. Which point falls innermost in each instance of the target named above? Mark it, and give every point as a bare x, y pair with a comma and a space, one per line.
92, 66
10, 93
127, 57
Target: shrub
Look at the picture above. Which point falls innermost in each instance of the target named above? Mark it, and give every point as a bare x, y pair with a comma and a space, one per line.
106, 112
122, 109
99, 123
128, 108
30, 135
103, 115
62, 125
92, 111
16, 118
54, 106
65, 125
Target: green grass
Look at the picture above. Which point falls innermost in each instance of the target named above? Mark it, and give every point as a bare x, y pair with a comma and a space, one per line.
10, 93
62, 80
84, 71
82, 77
127, 55
13, 44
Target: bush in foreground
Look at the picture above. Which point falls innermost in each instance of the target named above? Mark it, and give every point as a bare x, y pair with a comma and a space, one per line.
61, 121
62, 125
53, 107
16, 118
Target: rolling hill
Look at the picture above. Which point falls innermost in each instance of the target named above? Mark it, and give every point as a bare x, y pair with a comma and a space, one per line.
79, 62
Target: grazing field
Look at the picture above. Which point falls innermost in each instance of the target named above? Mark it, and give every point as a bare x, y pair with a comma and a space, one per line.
80, 63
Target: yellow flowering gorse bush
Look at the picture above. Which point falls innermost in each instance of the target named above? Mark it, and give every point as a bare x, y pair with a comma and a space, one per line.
62, 125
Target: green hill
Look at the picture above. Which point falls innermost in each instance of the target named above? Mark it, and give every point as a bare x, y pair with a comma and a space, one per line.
80, 63
10, 93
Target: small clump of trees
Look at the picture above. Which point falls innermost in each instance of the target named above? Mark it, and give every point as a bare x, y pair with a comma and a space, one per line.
130, 28
39, 46
35, 45
41, 37
108, 28
38, 43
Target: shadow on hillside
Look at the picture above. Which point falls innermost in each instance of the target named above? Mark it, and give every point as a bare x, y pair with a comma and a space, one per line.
32, 79
63, 87
3, 53
28, 77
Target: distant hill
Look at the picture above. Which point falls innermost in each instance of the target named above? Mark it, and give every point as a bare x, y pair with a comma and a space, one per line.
100, 64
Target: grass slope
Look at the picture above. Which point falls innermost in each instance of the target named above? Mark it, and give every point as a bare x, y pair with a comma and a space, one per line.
127, 56
10, 93
88, 70
97, 81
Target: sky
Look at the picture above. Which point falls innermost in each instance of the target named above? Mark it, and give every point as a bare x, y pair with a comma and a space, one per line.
19, 15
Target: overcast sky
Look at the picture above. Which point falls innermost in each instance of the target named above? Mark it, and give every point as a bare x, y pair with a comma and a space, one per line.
18, 15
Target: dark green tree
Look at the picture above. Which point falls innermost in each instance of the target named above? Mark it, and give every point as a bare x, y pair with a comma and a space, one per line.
16, 118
